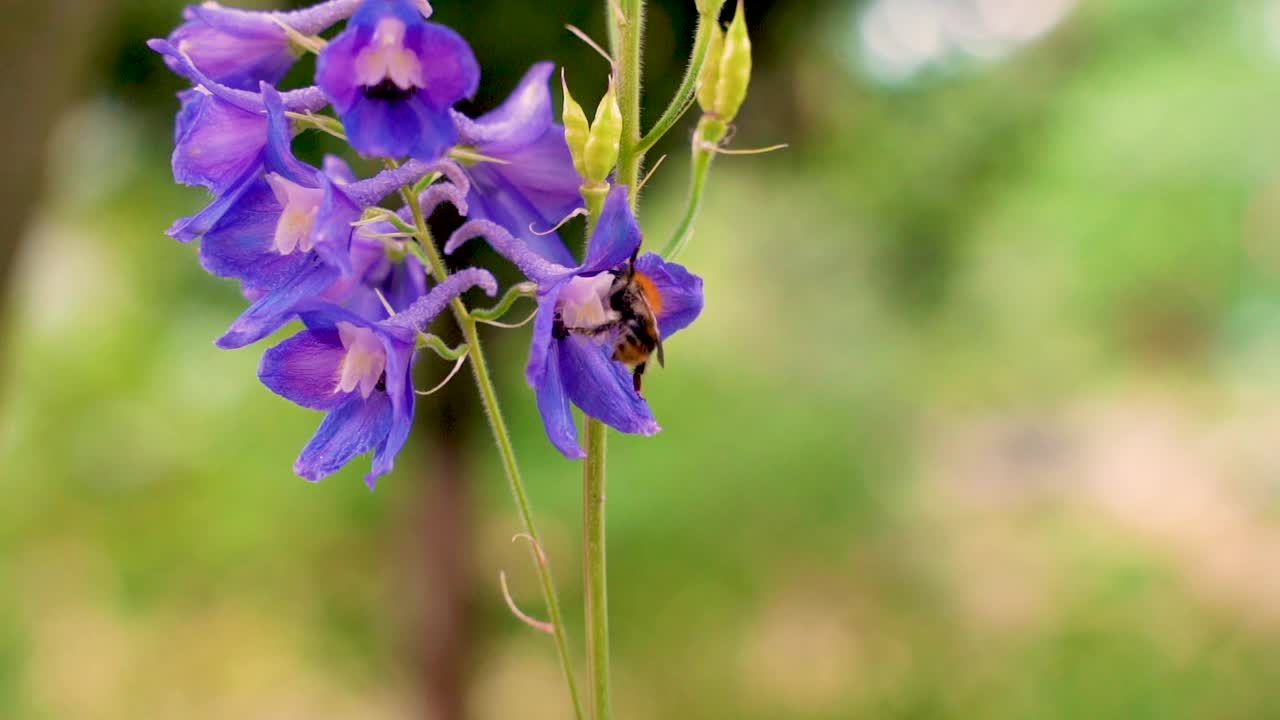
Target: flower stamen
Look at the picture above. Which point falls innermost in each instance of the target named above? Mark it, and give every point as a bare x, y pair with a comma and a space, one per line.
364, 362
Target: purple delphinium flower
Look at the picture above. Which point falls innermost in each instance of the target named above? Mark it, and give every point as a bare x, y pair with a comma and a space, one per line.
240, 48
359, 373
536, 184
283, 227
392, 76
570, 360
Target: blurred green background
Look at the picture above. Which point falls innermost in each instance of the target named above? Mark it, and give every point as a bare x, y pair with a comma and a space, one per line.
981, 420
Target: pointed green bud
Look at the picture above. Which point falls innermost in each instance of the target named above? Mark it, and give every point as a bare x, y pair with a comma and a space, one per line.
735, 67
709, 8
575, 127
709, 76
601, 152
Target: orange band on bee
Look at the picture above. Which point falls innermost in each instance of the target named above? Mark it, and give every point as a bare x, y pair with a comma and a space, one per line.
650, 291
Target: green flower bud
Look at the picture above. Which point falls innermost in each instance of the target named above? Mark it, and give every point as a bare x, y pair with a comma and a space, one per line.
575, 127
709, 8
735, 68
601, 152
709, 76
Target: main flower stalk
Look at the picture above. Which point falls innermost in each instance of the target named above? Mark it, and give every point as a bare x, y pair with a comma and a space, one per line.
626, 41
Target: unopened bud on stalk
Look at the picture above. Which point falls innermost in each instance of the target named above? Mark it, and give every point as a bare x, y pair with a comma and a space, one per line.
735, 68
603, 143
709, 76
575, 127
710, 8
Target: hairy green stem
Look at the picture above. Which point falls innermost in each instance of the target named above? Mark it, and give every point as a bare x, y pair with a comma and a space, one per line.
595, 576
493, 412
626, 26
630, 31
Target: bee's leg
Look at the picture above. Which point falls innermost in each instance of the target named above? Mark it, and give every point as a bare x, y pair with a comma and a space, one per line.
596, 331
636, 376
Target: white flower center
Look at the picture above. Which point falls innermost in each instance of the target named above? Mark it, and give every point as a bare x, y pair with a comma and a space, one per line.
386, 58
293, 229
364, 362
584, 302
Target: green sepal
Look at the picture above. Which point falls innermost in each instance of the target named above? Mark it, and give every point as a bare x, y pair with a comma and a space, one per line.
604, 140
576, 129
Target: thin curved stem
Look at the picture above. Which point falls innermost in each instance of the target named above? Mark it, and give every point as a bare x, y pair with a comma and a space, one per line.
700, 166
501, 436
683, 98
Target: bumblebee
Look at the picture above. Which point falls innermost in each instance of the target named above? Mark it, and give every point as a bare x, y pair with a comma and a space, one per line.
637, 303
633, 304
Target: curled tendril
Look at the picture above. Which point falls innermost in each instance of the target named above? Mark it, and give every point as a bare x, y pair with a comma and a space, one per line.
539, 625
576, 213
438, 346
514, 293
457, 365
537, 547
545, 627
511, 326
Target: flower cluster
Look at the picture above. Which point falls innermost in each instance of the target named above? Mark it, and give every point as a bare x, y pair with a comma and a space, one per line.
316, 244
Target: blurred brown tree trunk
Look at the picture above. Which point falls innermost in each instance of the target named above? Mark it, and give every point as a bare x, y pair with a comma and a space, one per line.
441, 532
43, 49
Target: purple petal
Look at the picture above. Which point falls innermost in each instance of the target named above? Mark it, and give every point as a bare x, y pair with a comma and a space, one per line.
371, 11
302, 100
533, 265
238, 50
521, 119
680, 290
543, 171
304, 368
557, 417
382, 128
307, 21
331, 233
602, 387
543, 326
399, 389
449, 67
336, 67
215, 141
241, 244
279, 155
496, 199
189, 228
319, 315
270, 312
616, 235
406, 282
354, 427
